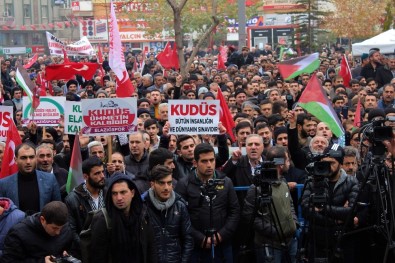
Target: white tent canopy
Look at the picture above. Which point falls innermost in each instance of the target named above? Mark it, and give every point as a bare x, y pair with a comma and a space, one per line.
384, 41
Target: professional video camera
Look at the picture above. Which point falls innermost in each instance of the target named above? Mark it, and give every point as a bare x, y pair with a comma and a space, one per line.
265, 174
65, 259
376, 132
212, 186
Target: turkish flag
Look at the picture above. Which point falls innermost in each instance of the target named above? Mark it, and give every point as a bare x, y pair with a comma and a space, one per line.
226, 116
8, 165
345, 71
357, 118
69, 70
31, 61
165, 57
175, 61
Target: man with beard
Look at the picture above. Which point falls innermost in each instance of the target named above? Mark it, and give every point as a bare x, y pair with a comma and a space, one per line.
266, 133
88, 196
29, 189
350, 162
325, 220
324, 131
370, 70
388, 97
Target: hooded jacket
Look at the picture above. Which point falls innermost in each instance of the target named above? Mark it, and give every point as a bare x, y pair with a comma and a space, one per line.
10, 216
102, 238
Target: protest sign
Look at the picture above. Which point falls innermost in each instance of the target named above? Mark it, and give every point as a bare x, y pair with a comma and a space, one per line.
48, 112
6, 118
109, 116
81, 47
194, 116
72, 117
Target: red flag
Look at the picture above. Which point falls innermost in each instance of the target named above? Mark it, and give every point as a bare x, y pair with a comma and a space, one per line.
165, 57
117, 59
42, 85
8, 165
357, 118
65, 57
69, 70
31, 61
176, 63
99, 55
345, 71
226, 116
221, 62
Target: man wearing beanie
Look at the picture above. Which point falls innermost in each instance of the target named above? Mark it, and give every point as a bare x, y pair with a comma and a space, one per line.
369, 71
327, 218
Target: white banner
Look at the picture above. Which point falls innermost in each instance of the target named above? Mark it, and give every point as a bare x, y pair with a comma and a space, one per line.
109, 116
82, 47
6, 119
72, 117
194, 116
48, 112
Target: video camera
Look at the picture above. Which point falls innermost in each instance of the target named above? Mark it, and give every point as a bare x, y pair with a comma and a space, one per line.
318, 168
65, 259
376, 132
212, 186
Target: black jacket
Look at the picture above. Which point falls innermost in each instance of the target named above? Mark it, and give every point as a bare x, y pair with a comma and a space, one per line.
28, 242
335, 211
383, 76
139, 169
78, 205
226, 209
173, 231
241, 61
104, 244
369, 72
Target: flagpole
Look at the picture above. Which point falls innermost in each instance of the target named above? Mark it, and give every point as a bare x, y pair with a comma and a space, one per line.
108, 29
109, 149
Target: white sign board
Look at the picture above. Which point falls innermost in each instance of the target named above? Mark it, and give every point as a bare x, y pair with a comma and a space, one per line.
72, 117
6, 118
48, 113
81, 47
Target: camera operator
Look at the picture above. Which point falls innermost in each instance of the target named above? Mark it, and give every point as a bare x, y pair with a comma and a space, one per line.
336, 194
212, 205
274, 222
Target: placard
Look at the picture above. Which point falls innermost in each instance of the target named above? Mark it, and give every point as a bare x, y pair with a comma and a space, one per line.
194, 116
6, 118
111, 116
72, 117
48, 113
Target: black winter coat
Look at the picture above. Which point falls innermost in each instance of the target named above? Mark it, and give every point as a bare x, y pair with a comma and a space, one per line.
173, 231
383, 76
226, 209
28, 242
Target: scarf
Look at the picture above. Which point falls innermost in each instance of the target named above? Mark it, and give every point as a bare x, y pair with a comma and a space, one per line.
159, 204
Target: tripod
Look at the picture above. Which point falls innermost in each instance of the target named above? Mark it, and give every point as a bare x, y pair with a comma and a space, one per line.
209, 191
266, 206
376, 181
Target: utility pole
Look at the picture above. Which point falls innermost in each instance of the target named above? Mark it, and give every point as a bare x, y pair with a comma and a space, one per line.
242, 23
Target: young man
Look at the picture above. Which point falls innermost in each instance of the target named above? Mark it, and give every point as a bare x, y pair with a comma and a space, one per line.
173, 236
40, 236
131, 238
225, 208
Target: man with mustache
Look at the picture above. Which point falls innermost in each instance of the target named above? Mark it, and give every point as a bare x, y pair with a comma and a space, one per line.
88, 196
175, 244
29, 189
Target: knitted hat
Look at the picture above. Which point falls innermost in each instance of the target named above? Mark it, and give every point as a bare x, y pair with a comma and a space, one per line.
336, 152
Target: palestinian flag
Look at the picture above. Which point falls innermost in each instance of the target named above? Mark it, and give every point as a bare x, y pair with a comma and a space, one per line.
315, 101
292, 68
75, 176
28, 86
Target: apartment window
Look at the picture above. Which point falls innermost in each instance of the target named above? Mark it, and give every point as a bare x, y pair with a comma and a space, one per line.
27, 12
44, 11
8, 10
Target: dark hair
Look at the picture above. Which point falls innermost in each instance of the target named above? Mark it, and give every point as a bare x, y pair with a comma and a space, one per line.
150, 122
159, 172
261, 126
25, 145
275, 152
301, 118
55, 212
277, 106
48, 141
242, 125
182, 138
274, 118
336, 98
201, 149
89, 163
158, 157
241, 115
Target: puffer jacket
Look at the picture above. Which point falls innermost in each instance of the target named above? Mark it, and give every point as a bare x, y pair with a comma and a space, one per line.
173, 232
335, 211
10, 216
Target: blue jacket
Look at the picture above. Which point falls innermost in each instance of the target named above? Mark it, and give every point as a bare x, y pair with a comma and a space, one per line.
47, 186
11, 216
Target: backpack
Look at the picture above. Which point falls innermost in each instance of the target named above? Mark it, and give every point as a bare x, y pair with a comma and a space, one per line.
86, 234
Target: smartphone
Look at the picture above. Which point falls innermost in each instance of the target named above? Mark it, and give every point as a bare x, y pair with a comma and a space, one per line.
345, 112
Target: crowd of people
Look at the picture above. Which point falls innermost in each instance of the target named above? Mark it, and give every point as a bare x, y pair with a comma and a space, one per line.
161, 197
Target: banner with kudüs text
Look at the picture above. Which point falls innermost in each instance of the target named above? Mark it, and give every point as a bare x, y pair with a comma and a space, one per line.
111, 116
6, 118
194, 116
72, 117
80, 48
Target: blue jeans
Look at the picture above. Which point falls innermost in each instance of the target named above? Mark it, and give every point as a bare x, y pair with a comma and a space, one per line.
268, 254
222, 254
